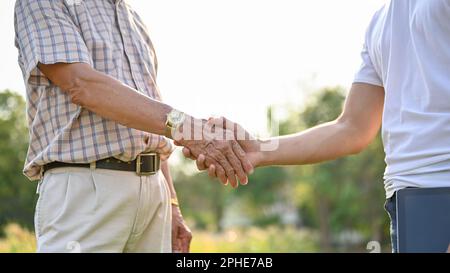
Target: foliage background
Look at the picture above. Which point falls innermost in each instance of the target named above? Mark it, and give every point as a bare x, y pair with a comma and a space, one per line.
331, 207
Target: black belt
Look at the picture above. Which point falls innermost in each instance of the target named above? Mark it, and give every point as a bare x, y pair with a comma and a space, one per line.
143, 165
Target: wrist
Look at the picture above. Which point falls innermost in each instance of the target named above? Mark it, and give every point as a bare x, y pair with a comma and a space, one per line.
183, 132
175, 120
265, 156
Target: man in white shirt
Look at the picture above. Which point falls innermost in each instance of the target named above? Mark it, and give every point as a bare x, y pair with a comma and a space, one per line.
403, 85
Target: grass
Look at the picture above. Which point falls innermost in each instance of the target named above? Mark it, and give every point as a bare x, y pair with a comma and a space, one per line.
17, 240
251, 240
254, 240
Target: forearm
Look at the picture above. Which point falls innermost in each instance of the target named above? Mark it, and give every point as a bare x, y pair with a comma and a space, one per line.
109, 98
349, 134
322, 143
126, 106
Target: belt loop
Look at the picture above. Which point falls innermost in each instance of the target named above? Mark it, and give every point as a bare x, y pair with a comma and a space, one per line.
41, 173
41, 179
93, 166
38, 187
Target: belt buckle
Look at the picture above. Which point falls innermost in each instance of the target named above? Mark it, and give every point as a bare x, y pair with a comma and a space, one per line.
139, 163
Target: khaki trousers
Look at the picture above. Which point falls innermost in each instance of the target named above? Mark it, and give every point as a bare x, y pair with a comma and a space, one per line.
83, 210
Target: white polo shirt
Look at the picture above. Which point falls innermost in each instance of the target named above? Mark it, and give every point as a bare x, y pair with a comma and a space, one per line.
407, 51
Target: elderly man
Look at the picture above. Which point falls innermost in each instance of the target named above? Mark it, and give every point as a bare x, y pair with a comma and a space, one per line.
98, 130
404, 85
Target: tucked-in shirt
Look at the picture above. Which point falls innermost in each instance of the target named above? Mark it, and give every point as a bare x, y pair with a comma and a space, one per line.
106, 34
407, 51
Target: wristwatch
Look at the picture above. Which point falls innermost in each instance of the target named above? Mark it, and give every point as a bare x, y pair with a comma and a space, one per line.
175, 120
174, 202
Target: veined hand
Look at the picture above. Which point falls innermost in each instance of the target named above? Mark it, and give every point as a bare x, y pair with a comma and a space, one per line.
217, 148
248, 144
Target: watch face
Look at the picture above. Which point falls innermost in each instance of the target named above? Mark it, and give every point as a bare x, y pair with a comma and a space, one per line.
176, 118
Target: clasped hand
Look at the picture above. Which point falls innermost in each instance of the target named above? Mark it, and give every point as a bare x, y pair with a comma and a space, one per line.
220, 146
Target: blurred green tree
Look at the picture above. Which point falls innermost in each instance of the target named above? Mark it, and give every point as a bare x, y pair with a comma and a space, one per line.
341, 195
207, 203
17, 194
340, 198
203, 200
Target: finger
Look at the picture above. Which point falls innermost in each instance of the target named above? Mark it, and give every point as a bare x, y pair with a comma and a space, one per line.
187, 248
237, 166
229, 125
184, 246
229, 171
219, 171
176, 143
210, 121
221, 174
224, 169
181, 239
187, 153
240, 153
224, 163
187, 243
175, 241
224, 123
239, 132
210, 124
231, 178
201, 162
212, 171
177, 248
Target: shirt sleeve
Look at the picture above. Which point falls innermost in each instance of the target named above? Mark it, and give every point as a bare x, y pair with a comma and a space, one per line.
46, 33
367, 72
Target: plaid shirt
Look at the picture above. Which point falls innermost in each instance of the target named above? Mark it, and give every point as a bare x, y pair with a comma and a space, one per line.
111, 37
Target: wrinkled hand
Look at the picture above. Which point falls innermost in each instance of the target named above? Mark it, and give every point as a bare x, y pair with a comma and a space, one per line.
247, 142
220, 149
181, 234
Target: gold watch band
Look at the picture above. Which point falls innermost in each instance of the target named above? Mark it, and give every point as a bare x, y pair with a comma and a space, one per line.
168, 132
174, 202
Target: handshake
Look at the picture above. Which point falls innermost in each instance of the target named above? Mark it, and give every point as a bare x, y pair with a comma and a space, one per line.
221, 146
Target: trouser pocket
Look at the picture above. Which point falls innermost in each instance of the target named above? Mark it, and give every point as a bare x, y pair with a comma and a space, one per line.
52, 191
391, 208
37, 210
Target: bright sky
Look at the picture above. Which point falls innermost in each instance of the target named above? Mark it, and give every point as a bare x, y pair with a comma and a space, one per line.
236, 57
